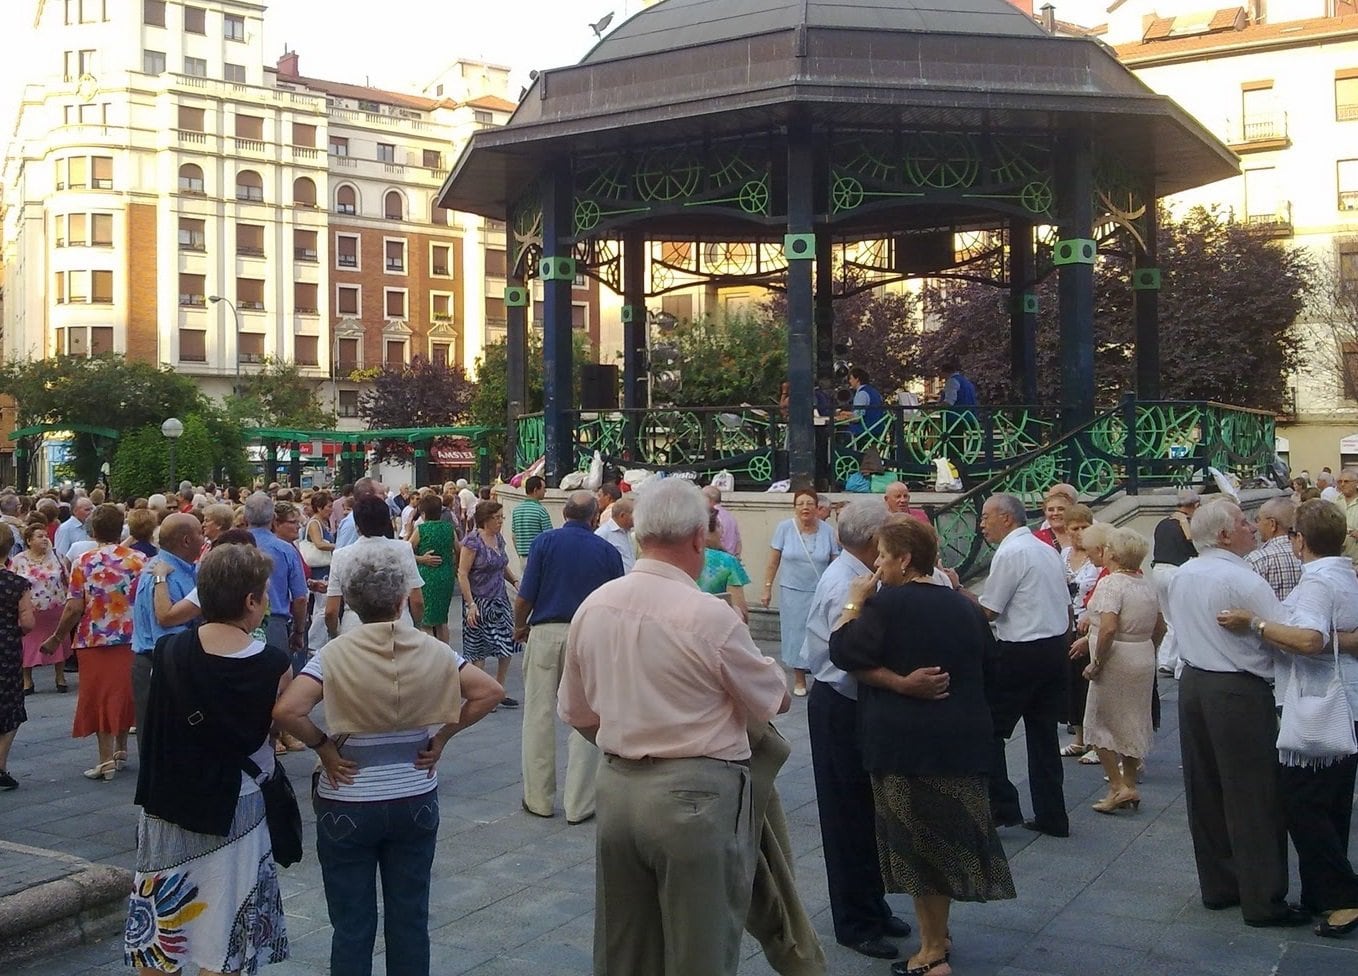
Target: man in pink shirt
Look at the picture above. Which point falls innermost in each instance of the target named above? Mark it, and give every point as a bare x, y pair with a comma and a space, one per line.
897, 500
726, 522
664, 679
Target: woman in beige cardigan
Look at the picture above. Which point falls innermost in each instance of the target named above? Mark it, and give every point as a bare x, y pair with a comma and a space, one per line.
393, 697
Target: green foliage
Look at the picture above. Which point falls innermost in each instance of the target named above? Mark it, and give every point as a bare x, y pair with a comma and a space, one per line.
489, 404
142, 464
279, 396
419, 395
743, 359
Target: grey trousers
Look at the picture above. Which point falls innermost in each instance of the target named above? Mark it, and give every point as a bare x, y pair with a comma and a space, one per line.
141, 693
674, 867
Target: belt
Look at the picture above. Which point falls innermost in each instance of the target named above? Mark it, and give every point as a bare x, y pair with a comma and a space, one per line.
652, 760
539, 623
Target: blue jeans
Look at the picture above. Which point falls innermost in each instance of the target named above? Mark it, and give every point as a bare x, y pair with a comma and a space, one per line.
354, 840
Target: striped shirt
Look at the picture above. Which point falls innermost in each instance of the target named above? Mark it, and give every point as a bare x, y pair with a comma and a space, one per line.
386, 760
528, 521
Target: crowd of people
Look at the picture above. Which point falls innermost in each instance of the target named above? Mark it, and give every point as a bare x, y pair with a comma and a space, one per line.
227, 629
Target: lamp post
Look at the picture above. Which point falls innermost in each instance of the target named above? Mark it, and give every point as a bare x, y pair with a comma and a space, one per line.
173, 429
235, 312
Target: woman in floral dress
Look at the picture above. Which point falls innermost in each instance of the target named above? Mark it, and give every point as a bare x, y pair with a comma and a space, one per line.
48, 580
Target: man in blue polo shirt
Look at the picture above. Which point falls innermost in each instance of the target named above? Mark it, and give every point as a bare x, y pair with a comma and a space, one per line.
286, 623
564, 566
174, 572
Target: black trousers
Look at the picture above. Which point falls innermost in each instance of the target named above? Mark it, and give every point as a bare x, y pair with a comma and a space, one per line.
1318, 804
1028, 682
847, 821
1228, 732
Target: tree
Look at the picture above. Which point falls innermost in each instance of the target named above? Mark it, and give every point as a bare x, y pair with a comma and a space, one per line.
489, 405
142, 464
742, 359
1331, 332
419, 395
279, 396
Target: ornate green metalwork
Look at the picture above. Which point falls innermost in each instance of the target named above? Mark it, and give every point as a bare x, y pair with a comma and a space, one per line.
531, 442
942, 160
525, 234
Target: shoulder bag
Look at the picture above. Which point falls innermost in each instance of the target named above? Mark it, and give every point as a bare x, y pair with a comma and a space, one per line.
1316, 730
314, 556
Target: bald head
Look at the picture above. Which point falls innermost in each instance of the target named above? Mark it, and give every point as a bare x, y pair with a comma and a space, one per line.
182, 535
580, 506
1276, 516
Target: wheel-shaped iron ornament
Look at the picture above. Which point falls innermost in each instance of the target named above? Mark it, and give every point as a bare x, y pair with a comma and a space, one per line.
846, 194
760, 469
587, 214
942, 160
754, 197
668, 177
1037, 197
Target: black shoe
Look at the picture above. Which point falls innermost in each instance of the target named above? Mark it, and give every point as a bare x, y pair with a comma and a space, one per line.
895, 928
63, 688
1218, 906
1044, 829
29, 690
509, 703
1291, 917
544, 816
904, 968
7, 782
1013, 820
577, 823
875, 948
1327, 930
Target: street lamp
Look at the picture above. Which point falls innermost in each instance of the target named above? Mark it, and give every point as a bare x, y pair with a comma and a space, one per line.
173, 429
214, 299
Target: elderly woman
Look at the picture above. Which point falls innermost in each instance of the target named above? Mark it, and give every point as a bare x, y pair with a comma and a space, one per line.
918, 651
206, 888
1053, 530
1318, 794
16, 618
801, 548
435, 545
216, 520
482, 572
48, 581
1084, 561
722, 574
99, 610
393, 697
141, 529
372, 519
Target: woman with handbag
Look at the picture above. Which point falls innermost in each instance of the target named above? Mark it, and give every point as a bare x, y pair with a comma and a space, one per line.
393, 697
1317, 755
206, 886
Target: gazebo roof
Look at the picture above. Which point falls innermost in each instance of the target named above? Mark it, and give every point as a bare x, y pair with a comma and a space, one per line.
685, 70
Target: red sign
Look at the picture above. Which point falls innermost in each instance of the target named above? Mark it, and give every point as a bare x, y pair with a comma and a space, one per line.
453, 453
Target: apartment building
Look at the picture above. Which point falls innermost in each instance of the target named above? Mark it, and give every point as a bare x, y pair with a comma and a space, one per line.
172, 195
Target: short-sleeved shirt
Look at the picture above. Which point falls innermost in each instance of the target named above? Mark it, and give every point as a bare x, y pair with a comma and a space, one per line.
343, 559
720, 571
1213, 581
1325, 600
620, 539
1027, 589
1278, 564
564, 566
181, 580
287, 581
1172, 545
529, 520
48, 578
487, 574
103, 578
804, 557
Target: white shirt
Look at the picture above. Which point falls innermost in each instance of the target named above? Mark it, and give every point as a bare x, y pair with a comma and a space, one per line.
1329, 493
341, 560
619, 539
832, 592
1027, 589
1210, 582
1325, 600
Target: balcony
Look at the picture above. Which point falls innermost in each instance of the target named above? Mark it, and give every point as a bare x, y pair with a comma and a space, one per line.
396, 264
249, 306
1346, 111
305, 254
306, 152
306, 310
193, 301
249, 251
1348, 199
1276, 222
249, 145
189, 138
1262, 132
346, 366
346, 261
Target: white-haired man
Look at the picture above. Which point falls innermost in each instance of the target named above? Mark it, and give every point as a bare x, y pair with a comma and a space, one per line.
1348, 504
73, 529
1274, 560
665, 679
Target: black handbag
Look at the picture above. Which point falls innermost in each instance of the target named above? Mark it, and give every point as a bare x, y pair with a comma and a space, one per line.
281, 812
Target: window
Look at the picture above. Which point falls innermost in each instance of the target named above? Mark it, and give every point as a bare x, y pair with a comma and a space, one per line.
102, 167
77, 173
347, 362
79, 227
495, 311
101, 287
1260, 118
1347, 261
250, 347
192, 289
249, 186
1347, 172
1349, 350
304, 245
234, 73
346, 251
192, 346
395, 352
440, 260
250, 239
233, 27
482, 117
304, 135
441, 306
153, 62
348, 403
579, 316
496, 263
190, 119
346, 200
101, 340
195, 67
304, 192
153, 13
1346, 95
304, 297
1261, 195
59, 287
395, 303
250, 293
395, 253
386, 152
192, 234
339, 146
346, 301
393, 206
59, 229
195, 20
438, 216
92, 114
78, 286
77, 63
433, 159
191, 179
250, 127
439, 354
305, 352
101, 230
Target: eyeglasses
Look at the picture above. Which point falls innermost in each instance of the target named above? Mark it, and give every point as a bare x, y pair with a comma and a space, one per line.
1292, 533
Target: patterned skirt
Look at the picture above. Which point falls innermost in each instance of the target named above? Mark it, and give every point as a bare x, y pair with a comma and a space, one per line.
935, 836
493, 635
204, 901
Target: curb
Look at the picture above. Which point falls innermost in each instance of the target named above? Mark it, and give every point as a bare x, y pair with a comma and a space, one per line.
85, 906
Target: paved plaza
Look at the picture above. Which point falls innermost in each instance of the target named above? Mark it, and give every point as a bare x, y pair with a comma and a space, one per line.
515, 894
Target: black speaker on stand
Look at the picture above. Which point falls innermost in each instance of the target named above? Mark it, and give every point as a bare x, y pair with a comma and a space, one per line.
598, 387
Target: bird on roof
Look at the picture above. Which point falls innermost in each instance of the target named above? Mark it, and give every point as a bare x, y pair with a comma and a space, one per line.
602, 24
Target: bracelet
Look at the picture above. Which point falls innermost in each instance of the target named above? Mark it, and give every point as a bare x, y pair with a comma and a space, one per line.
325, 737
1257, 625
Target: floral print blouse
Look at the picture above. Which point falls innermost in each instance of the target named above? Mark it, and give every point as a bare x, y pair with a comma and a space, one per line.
48, 579
104, 578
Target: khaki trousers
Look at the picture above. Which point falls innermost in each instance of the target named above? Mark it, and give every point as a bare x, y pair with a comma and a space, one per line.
542, 658
674, 866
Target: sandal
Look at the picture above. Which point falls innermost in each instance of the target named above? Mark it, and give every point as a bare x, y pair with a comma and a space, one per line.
1329, 928
1074, 749
905, 969
1090, 758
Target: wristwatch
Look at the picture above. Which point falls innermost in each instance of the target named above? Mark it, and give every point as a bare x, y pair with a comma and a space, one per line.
850, 606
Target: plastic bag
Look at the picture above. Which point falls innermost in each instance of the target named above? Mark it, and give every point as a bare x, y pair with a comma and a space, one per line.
573, 481
724, 480
595, 476
946, 477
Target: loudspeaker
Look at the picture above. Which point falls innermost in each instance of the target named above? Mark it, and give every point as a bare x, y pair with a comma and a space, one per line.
598, 386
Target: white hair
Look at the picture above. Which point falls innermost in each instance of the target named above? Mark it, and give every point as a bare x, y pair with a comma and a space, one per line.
1011, 506
1212, 519
259, 510
375, 584
860, 521
669, 510
1187, 496
157, 501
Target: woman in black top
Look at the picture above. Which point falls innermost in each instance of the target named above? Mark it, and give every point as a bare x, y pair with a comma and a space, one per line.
919, 650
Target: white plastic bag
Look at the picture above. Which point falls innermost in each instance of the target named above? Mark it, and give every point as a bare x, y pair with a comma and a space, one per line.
945, 476
636, 477
724, 480
595, 476
572, 481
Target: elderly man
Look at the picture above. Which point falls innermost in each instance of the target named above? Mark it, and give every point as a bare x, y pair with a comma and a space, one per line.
564, 567
1173, 548
1027, 600
1227, 724
9, 514
666, 680
1325, 482
727, 525
166, 580
862, 918
1274, 560
616, 530
897, 500
286, 623
1348, 504
347, 534
605, 495
73, 529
